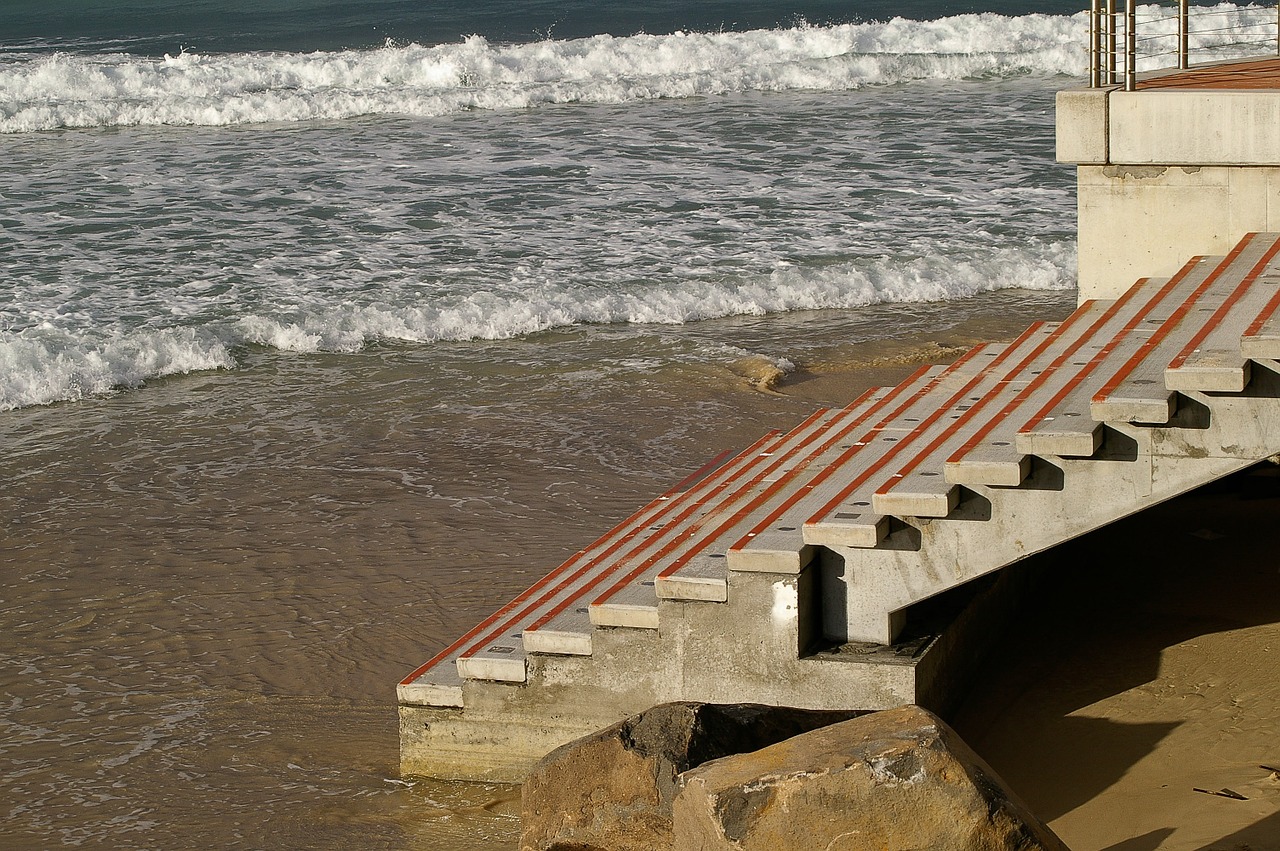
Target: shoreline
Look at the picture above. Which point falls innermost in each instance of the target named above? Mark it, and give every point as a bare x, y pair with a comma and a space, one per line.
216, 577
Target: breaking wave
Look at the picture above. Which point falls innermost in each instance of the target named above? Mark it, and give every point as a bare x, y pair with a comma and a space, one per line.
107, 90
43, 365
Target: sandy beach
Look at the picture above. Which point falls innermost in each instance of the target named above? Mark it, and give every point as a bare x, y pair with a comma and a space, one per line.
215, 593
1144, 670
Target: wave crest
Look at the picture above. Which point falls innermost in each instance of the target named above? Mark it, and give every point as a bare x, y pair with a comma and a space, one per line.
63, 90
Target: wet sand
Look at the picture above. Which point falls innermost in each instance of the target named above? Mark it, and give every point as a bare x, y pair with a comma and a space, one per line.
211, 584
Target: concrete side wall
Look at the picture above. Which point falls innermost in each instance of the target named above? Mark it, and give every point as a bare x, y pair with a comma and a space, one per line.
1147, 220
749, 652
1197, 127
1194, 127
1165, 174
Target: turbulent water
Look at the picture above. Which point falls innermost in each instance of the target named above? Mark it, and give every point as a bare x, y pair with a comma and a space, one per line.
440, 291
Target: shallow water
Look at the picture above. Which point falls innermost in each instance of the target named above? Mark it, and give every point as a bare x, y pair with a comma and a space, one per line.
213, 583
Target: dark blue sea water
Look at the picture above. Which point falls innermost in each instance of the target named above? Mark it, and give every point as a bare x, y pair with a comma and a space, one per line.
304, 25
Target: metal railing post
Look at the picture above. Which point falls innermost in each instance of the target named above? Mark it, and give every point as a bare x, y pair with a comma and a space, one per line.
1183, 40
1112, 16
1095, 43
1130, 45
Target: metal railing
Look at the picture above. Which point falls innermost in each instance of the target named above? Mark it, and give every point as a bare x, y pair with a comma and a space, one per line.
1115, 47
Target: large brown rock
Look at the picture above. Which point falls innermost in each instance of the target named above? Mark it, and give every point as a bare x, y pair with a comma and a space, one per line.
899, 779
613, 791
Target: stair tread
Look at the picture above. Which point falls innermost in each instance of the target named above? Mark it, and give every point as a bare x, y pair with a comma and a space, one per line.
1136, 391
578, 577
1213, 360
1063, 425
502, 631
771, 537
915, 485
830, 523
989, 455
681, 563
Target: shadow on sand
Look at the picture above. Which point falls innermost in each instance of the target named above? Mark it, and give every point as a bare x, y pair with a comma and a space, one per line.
1105, 609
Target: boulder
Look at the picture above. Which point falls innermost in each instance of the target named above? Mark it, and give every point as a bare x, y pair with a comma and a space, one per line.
899, 779
613, 791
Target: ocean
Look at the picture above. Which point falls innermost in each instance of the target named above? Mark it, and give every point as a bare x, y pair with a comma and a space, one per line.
327, 327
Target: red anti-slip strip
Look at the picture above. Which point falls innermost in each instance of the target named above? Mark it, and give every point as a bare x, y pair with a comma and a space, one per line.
766, 494
939, 411
1224, 308
1036, 382
1166, 327
1102, 354
692, 529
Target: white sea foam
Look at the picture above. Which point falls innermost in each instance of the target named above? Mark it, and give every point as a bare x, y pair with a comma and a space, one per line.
65, 90
42, 366
39, 366
108, 90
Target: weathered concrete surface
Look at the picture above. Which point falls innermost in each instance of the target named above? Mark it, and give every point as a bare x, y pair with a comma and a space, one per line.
614, 789
1146, 220
1082, 126
1214, 127
899, 779
1167, 173
507, 728
1095, 492
1185, 126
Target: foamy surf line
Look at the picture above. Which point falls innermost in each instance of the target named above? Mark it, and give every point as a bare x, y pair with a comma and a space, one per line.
43, 365
65, 91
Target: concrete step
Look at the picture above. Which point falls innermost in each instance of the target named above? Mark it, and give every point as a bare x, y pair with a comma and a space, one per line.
496, 643
851, 515
772, 538
1063, 425
1091, 334
1261, 337
1136, 391
1212, 361
692, 566
831, 533
989, 456
501, 653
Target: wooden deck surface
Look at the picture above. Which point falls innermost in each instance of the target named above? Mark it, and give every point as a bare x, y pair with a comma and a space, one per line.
1246, 74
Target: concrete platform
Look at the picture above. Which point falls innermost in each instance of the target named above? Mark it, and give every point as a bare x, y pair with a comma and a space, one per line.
1188, 163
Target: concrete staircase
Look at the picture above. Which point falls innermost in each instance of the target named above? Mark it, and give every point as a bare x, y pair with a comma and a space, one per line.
786, 573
